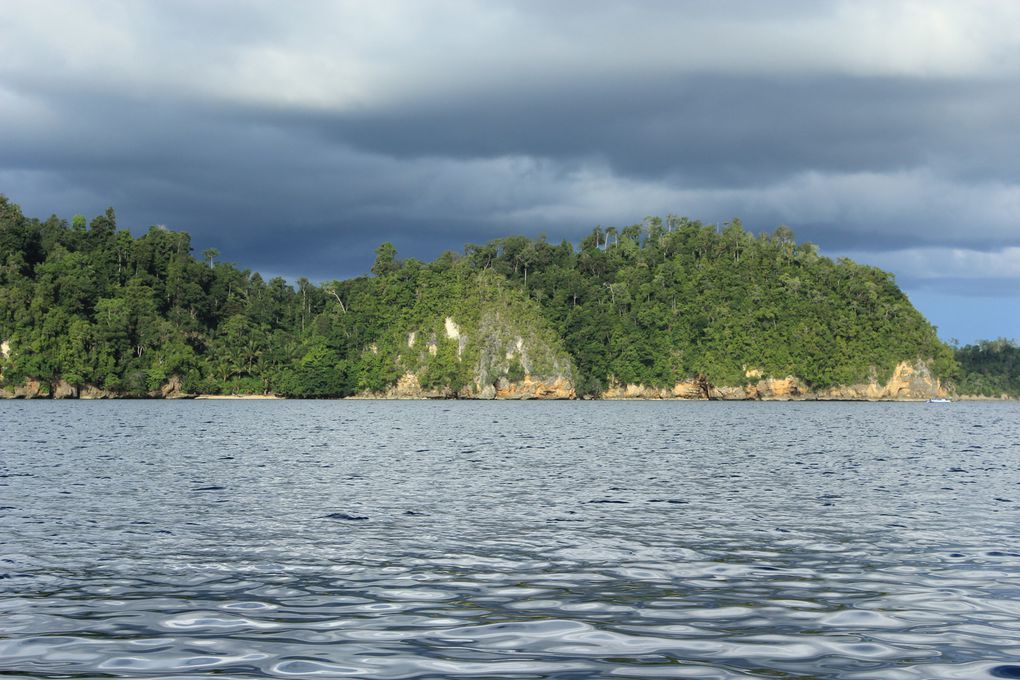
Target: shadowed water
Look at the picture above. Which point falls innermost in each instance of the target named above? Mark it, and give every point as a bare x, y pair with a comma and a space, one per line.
509, 540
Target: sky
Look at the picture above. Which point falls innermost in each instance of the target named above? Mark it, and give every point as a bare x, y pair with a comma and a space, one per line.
297, 136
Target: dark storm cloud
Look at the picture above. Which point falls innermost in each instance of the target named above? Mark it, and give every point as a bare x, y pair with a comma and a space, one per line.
711, 130
268, 195
703, 132
297, 139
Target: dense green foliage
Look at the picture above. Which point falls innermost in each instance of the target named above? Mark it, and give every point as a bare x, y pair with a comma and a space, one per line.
990, 368
651, 304
657, 303
96, 306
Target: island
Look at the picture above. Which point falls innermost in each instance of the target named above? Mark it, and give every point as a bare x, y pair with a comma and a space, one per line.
665, 309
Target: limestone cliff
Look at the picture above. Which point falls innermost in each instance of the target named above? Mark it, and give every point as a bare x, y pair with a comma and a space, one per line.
531, 388
30, 389
908, 381
491, 343
64, 390
688, 389
61, 389
93, 392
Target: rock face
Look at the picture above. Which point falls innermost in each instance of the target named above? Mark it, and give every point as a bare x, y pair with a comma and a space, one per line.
779, 388
172, 389
909, 381
516, 360
30, 389
64, 390
409, 387
687, 389
93, 392
529, 388
489, 341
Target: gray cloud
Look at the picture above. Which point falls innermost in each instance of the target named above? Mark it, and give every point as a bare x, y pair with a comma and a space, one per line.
707, 130
295, 139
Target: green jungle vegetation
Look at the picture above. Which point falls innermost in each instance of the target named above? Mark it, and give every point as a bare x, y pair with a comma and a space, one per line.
653, 303
989, 368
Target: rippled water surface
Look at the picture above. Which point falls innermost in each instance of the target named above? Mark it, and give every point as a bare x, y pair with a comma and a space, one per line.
509, 540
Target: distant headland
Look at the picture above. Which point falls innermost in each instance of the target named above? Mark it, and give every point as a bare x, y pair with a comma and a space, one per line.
666, 309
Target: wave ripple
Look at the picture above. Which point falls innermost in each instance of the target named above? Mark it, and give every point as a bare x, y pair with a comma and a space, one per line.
552, 540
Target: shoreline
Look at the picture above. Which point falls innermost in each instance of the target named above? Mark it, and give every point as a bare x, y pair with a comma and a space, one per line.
228, 397
7, 396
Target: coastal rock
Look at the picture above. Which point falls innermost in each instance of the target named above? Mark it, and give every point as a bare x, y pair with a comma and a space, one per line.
616, 391
914, 381
409, 387
685, 389
534, 388
93, 392
64, 390
909, 382
727, 393
489, 343
690, 389
173, 389
30, 389
779, 388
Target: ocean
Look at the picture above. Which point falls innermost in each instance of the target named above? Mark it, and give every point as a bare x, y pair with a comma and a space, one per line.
448, 539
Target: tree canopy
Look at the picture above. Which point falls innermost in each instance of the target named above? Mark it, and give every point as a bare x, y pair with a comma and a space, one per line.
651, 303
990, 368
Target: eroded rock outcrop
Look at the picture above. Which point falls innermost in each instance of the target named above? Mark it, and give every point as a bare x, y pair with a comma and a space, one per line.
409, 387
30, 389
909, 381
173, 389
533, 388
687, 389
779, 388
64, 390
488, 342
93, 392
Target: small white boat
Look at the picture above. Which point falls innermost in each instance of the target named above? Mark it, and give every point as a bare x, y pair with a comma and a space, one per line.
940, 400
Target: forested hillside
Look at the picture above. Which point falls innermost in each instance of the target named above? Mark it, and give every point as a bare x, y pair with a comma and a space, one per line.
990, 368
655, 304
